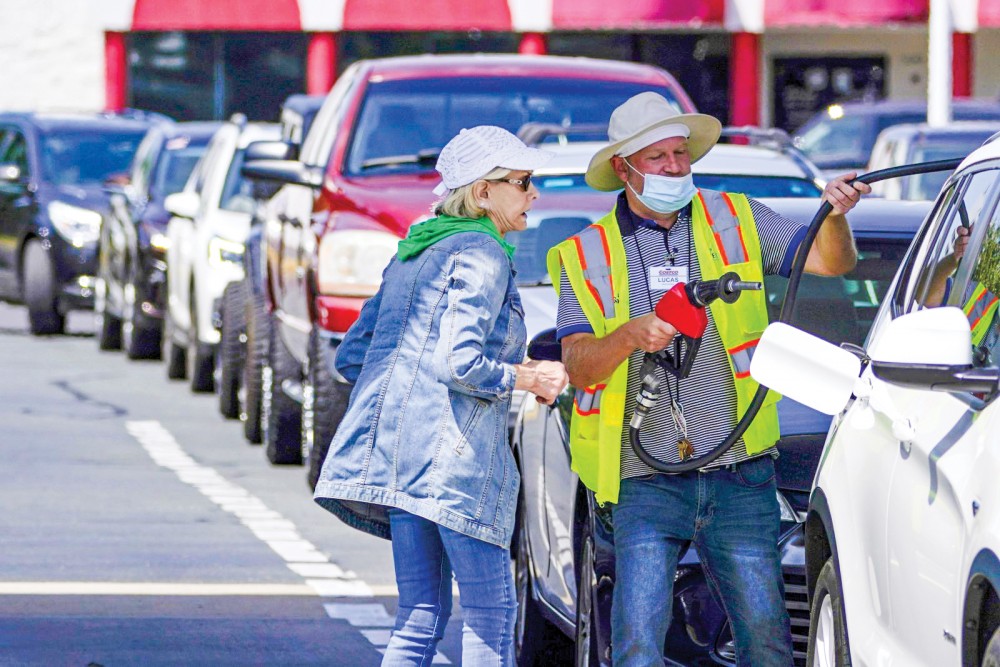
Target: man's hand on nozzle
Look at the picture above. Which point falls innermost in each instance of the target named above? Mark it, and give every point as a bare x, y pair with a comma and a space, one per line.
844, 193
651, 334
545, 379
961, 241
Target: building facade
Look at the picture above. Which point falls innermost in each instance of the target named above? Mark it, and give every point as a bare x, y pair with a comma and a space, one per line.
767, 62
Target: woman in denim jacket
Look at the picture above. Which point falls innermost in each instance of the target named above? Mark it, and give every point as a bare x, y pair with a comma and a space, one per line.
422, 455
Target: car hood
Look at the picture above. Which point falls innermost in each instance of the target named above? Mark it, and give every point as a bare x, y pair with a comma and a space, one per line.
92, 197
394, 202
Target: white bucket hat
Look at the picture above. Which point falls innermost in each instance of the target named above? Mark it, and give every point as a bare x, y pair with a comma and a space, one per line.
475, 152
641, 121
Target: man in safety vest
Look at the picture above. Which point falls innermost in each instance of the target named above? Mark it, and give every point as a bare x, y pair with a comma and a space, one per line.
610, 276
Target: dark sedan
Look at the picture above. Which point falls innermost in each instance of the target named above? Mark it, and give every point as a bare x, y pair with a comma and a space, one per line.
52, 170
132, 263
565, 542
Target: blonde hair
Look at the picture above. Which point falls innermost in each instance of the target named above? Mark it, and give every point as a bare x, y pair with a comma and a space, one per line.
462, 202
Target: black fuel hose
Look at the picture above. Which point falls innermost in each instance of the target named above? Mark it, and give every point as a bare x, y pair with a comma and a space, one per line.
787, 308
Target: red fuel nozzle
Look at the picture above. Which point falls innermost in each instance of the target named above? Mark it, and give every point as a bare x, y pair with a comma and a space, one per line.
683, 306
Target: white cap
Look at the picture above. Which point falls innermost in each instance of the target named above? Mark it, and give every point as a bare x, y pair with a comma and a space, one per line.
477, 151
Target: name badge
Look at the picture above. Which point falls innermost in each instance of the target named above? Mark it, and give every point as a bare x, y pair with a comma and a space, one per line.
662, 278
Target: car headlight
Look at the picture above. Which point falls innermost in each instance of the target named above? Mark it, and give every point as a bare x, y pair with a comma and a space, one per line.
351, 261
79, 226
222, 250
788, 512
159, 241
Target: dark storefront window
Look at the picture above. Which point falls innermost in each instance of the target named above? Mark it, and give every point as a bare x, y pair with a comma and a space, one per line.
803, 86
210, 76
700, 63
352, 46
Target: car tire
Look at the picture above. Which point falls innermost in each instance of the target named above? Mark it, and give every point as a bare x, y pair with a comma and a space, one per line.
40, 291
230, 353
139, 342
323, 407
991, 656
281, 416
827, 630
199, 357
257, 332
586, 648
173, 354
109, 327
532, 632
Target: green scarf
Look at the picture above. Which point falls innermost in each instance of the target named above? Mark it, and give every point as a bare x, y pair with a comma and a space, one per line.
429, 232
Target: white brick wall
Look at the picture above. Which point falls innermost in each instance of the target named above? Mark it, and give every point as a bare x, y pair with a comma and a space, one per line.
51, 55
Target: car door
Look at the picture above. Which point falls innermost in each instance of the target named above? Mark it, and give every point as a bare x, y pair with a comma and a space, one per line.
16, 206
930, 508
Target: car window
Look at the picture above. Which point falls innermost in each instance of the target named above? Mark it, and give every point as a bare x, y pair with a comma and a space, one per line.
759, 186
175, 166
531, 246
318, 141
76, 157
403, 124
16, 151
842, 309
937, 278
143, 162
237, 193
843, 139
927, 186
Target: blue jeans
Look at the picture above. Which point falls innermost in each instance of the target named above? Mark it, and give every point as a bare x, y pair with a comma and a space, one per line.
733, 519
425, 555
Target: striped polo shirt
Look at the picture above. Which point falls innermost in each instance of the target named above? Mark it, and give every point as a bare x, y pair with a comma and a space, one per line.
708, 394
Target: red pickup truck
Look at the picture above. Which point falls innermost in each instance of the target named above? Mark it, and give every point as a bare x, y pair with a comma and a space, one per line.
364, 175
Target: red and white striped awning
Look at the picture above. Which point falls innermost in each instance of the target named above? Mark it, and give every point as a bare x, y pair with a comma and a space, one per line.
528, 15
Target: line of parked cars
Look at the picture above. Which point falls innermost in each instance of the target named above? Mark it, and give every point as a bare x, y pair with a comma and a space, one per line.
241, 253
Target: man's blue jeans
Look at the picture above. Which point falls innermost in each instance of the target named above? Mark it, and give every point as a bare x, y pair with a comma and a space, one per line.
732, 517
425, 555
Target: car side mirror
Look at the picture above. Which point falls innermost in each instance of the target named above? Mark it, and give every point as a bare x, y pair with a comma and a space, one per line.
931, 349
182, 204
268, 150
10, 173
284, 171
545, 347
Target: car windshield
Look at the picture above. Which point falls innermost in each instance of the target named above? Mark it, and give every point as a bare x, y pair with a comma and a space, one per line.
237, 193
174, 168
403, 125
80, 157
842, 309
927, 186
532, 245
759, 186
829, 142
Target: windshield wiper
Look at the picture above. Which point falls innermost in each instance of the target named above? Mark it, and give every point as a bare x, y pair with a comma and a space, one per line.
425, 156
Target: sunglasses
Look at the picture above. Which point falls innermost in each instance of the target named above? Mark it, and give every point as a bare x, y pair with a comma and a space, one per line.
523, 183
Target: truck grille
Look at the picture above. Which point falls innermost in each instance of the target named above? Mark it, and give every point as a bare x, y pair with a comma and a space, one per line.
797, 604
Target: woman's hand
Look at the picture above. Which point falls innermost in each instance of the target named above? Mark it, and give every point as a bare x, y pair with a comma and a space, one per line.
545, 379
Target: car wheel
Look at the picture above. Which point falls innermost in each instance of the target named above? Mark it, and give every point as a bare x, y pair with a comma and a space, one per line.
173, 354
323, 406
257, 332
139, 342
587, 652
40, 291
109, 327
230, 353
827, 632
281, 416
199, 357
532, 631
991, 656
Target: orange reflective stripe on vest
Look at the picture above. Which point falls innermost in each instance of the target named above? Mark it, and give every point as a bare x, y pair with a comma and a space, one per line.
725, 225
595, 257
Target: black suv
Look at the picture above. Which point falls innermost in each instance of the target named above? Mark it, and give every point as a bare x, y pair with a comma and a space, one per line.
131, 288
52, 198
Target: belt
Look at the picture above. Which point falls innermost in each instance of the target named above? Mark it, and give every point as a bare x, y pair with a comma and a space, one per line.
731, 467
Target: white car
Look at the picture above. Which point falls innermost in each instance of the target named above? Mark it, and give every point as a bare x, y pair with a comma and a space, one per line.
903, 526
210, 224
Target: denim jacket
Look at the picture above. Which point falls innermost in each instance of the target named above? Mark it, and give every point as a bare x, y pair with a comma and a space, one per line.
431, 356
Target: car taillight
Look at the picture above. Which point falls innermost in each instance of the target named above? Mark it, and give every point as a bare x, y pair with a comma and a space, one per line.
351, 262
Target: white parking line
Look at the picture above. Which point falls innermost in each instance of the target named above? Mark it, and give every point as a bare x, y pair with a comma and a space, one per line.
321, 577
158, 588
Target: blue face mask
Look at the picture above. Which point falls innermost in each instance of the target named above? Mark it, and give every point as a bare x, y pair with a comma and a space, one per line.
664, 194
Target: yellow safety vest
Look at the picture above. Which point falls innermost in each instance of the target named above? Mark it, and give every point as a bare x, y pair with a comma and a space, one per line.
725, 239
980, 308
